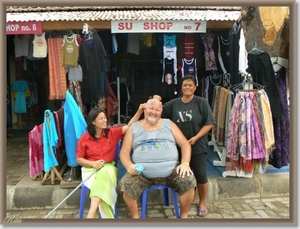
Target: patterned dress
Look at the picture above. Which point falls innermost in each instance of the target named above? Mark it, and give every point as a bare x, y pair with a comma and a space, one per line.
281, 156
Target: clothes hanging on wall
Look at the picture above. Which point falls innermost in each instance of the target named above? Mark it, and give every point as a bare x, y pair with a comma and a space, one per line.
190, 67
39, 46
170, 52
262, 72
57, 72
93, 61
189, 46
70, 50
280, 156
209, 53
75, 90
234, 51
168, 88
133, 43
21, 45
74, 73
30, 49
20, 91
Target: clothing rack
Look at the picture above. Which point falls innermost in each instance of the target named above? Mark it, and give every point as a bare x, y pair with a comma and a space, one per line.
247, 80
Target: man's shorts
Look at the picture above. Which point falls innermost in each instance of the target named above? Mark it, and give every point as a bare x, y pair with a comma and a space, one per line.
133, 186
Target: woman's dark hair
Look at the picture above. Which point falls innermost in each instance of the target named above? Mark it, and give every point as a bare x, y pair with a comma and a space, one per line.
188, 77
91, 117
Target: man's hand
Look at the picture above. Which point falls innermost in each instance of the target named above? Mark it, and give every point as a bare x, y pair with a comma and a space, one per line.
131, 170
184, 170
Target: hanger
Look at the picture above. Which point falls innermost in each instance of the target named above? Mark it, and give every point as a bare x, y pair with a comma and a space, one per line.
168, 56
85, 28
247, 79
69, 32
254, 48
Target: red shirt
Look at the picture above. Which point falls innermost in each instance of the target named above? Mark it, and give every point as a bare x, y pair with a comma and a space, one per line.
101, 149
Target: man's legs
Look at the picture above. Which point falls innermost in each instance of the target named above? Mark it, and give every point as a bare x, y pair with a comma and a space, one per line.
185, 202
132, 206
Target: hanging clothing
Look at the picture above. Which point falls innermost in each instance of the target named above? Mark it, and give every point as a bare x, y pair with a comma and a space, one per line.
167, 90
59, 121
189, 67
20, 92
133, 43
223, 52
74, 73
30, 49
74, 126
57, 72
280, 156
243, 54
169, 40
93, 61
21, 45
209, 53
219, 108
170, 53
36, 156
70, 50
189, 45
204, 87
262, 72
148, 39
75, 90
114, 44
234, 51
223, 57
39, 46
50, 140
246, 143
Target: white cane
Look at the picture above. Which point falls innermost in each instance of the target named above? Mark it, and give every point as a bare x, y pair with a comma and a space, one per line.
70, 194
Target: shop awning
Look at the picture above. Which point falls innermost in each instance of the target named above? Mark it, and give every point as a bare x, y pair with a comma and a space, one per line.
91, 13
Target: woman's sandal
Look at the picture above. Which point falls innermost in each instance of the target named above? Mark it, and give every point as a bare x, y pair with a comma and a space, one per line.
202, 212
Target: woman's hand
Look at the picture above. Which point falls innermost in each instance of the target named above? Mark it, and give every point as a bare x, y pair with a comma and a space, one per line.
184, 170
141, 108
98, 164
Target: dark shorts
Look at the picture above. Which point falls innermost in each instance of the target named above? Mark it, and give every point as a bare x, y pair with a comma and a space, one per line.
133, 186
198, 165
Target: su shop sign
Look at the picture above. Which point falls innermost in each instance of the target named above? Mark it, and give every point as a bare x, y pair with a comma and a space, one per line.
150, 26
31, 27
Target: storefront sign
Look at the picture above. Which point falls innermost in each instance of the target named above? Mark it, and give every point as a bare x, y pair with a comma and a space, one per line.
31, 27
150, 26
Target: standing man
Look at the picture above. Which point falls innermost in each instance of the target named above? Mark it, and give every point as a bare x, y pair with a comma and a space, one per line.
194, 117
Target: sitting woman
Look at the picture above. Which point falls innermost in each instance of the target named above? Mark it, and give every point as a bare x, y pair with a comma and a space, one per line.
96, 151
